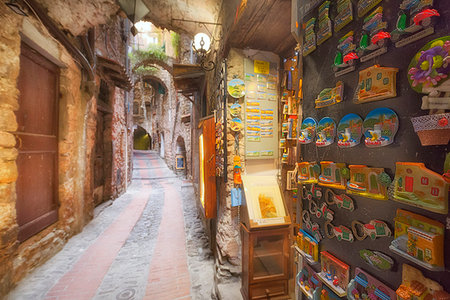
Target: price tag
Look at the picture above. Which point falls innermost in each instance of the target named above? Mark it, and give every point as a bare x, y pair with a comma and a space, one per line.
261, 67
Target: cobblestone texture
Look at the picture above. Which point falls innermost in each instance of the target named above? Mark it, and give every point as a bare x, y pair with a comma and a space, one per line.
128, 274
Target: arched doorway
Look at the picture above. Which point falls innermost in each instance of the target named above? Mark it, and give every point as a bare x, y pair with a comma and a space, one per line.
161, 145
180, 157
141, 139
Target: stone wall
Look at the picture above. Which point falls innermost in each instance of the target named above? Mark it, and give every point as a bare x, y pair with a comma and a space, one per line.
76, 135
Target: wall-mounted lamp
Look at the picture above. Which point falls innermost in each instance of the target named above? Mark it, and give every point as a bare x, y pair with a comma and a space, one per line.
202, 46
15, 7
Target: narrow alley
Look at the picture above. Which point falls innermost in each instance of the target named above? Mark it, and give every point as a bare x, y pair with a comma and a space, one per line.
135, 247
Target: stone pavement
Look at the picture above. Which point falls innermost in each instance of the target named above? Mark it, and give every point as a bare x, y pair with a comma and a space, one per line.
134, 248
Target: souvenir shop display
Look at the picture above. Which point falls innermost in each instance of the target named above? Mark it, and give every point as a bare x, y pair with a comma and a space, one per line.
235, 110
428, 74
418, 186
416, 286
349, 131
308, 172
344, 14
292, 127
321, 211
374, 229
236, 124
333, 175
419, 239
373, 36
415, 21
341, 201
376, 259
380, 127
308, 246
310, 37
342, 233
309, 282
377, 83
334, 273
324, 31
307, 131
368, 182
364, 6
365, 286
291, 179
345, 56
326, 132
330, 96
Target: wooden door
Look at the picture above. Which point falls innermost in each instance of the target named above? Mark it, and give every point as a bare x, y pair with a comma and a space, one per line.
37, 119
208, 167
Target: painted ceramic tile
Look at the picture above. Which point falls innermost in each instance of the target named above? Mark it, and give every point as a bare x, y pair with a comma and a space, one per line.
349, 131
380, 127
326, 131
236, 88
307, 131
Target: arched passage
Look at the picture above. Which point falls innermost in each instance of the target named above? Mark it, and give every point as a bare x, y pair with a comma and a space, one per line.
180, 156
141, 139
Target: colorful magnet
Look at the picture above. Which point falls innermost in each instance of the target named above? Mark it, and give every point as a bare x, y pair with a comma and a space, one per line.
374, 229
365, 286
341, 232
334, 273
376, 259
237, 170
418, 186
235, 109
345, 55
415, 21
380, 127
310, 37
326, 131
324, 27
345, 14
373, 36
377, 83
307, 130
341, 201
368, 182
330, 96
416, 286
333, 175
419, 239
364, 6
236, 88
236, 124
349, 131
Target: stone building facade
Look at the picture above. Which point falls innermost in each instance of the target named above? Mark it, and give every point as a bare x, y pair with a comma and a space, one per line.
76, 123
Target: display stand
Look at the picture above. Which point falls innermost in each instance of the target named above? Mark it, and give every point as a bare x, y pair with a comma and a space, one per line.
265, 240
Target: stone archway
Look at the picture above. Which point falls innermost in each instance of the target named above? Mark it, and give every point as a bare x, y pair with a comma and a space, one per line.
141, 139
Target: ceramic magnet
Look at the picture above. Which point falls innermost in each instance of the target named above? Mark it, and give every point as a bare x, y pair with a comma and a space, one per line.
380, 127
349, 131
326, 131
236, 88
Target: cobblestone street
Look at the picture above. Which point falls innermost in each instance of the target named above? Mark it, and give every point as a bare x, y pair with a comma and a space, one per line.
147, 244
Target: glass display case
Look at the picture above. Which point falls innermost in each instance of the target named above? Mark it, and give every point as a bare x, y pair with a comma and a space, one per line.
265, 240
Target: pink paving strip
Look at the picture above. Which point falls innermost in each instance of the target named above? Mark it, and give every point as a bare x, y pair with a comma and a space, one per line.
169, 276
83, 280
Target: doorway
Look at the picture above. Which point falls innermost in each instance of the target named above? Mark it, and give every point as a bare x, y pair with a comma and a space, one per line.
37, 162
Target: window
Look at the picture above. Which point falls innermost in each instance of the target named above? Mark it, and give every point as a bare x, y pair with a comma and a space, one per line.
362, 85
379, 75
304, 171
327, 171
386, 81
359, 177
424, 180
435, 191
368, 84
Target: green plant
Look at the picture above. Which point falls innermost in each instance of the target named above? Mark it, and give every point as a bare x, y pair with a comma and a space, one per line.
153, 52
175, 37
144, 70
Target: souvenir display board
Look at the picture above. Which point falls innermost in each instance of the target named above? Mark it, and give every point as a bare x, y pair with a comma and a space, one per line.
261, 109
375, 167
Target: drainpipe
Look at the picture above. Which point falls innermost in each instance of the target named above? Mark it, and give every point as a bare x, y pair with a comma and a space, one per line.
127, 104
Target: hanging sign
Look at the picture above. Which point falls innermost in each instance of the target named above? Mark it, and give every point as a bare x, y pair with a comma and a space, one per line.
261, 67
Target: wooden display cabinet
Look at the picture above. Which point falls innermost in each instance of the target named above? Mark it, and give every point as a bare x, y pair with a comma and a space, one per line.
265, 259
